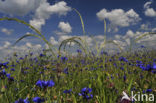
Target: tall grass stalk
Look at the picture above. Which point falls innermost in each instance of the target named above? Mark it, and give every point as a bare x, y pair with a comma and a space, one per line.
40, 36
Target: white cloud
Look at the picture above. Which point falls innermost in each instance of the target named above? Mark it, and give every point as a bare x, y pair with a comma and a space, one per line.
128, 41
41, 9
129, 34
18, 7
65, 28
7, 31
113, 29
53, 41
22, 49
28, 44
45, 10
154, 30
117, 36
119, 17
6, 44
64, 37
145, 26
149, 11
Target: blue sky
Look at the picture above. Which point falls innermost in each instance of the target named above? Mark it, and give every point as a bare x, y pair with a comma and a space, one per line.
126, 19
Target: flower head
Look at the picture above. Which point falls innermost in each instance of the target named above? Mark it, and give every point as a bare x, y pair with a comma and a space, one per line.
22, 101
45, 84
123, 59
85, 92
79, 51
67, 91
38, 100
64, 59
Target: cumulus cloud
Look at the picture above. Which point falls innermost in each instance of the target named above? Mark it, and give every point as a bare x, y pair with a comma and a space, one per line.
117, 36
144, 26
154, 30
6, 44
24, 48
53, 41
129, 34
18, 7
7, 31
119, 17
126, 40
148, 10
64, 27
41, 9
45, 10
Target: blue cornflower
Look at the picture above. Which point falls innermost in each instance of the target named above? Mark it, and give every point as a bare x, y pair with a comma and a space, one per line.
22, 101
45, 84
38, 100
4, 64
142, 46
41, 55
12, 69
66, 71
64, 59
142, 67
121, 68
154, 71
104, 53
149, 67
123, 59
8, 75
154, 66
85, 92
79, 51
21, 58
3, 72
147, 91
124, 77
67, 91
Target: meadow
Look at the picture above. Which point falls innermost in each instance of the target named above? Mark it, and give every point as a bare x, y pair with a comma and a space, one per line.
86, 77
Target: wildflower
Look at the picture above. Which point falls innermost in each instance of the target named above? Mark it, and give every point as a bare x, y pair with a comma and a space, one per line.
31, 54
45, 84
154, 66
79, 51
4, 65
8, 75
64, 59
67, 91
85, 92
12, 69
154, 71
21, 58
142, 46
3, 72
149, 90
124, 77
65, 70
41, 55
104, 53
22, 101
123, 59
38, 100
10, 79
121, 68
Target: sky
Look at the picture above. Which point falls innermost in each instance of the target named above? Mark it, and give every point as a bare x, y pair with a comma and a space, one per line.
125, 20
